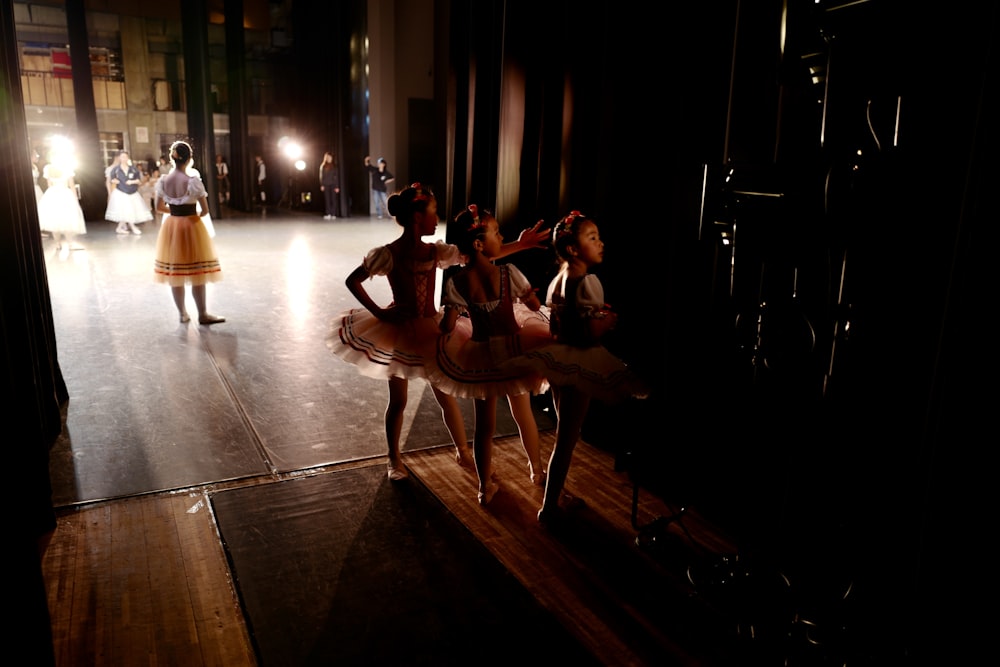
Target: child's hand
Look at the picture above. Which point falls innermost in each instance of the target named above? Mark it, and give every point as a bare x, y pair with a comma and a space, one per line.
533, 237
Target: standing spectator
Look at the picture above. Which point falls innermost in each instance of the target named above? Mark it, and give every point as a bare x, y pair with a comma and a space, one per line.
222, 178
261, 179
329, 185
381, 178
164, 165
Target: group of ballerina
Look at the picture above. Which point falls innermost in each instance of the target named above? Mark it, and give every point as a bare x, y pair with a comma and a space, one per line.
492, 337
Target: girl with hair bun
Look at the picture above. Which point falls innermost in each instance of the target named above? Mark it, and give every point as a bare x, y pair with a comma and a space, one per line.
578, 367
185, 254
397, 342
491, 314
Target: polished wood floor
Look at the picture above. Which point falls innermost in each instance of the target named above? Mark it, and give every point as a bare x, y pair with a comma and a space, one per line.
145, 580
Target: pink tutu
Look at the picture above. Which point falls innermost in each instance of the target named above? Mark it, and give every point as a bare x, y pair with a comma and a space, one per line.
383, 349
468, 368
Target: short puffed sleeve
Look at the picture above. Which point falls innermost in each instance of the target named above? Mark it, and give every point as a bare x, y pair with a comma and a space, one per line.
450, 296
196, 189
447, 254
590, 295
378, 261
520, 288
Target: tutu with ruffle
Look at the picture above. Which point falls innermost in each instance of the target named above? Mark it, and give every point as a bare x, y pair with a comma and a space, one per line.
383, 349
59, 210
468, 367
123, 207
403, 349
590, 368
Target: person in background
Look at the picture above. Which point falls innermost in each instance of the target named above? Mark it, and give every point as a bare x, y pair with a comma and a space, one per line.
125, 205
59, 211
260, 178
35, 175
381, 179
329, 185
185, 253
222, 178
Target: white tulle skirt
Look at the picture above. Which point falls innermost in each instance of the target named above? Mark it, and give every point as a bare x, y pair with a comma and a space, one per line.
127, 208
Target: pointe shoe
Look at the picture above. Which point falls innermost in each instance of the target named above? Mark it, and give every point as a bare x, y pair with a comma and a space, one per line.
121, 231
185, 318
486, 495
546, 516
137, 232
397, 471
210, 319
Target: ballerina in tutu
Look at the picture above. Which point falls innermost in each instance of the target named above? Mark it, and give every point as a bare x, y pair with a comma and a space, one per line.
491, 314
125, 205
397, 342
59, 211
577, 366
185, 254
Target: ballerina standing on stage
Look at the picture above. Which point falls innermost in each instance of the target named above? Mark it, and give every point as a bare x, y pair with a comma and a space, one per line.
491, 314
185, 254
125, 205
59, 211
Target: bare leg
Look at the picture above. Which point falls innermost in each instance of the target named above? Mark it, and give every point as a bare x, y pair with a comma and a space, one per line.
198, 292
455, 423
482, 446
520, 409
571, 407
394, 425
178, 293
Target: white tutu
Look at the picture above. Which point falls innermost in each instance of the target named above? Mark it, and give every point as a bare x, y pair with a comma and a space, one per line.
127, 208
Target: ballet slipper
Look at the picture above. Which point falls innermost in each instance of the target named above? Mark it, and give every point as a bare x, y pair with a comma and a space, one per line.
537, 478
210, 319
397, 471
185, 318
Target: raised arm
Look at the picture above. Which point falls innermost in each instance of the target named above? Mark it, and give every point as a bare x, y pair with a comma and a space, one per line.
532, 237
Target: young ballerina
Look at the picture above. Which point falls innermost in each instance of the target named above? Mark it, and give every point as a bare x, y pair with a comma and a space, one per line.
577, 366
397, 342
499, 319
185, 254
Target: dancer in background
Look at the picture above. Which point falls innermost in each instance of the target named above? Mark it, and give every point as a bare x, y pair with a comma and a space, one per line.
329, 184
59, 211
185, 254
125, 205
491, 314
397, 342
